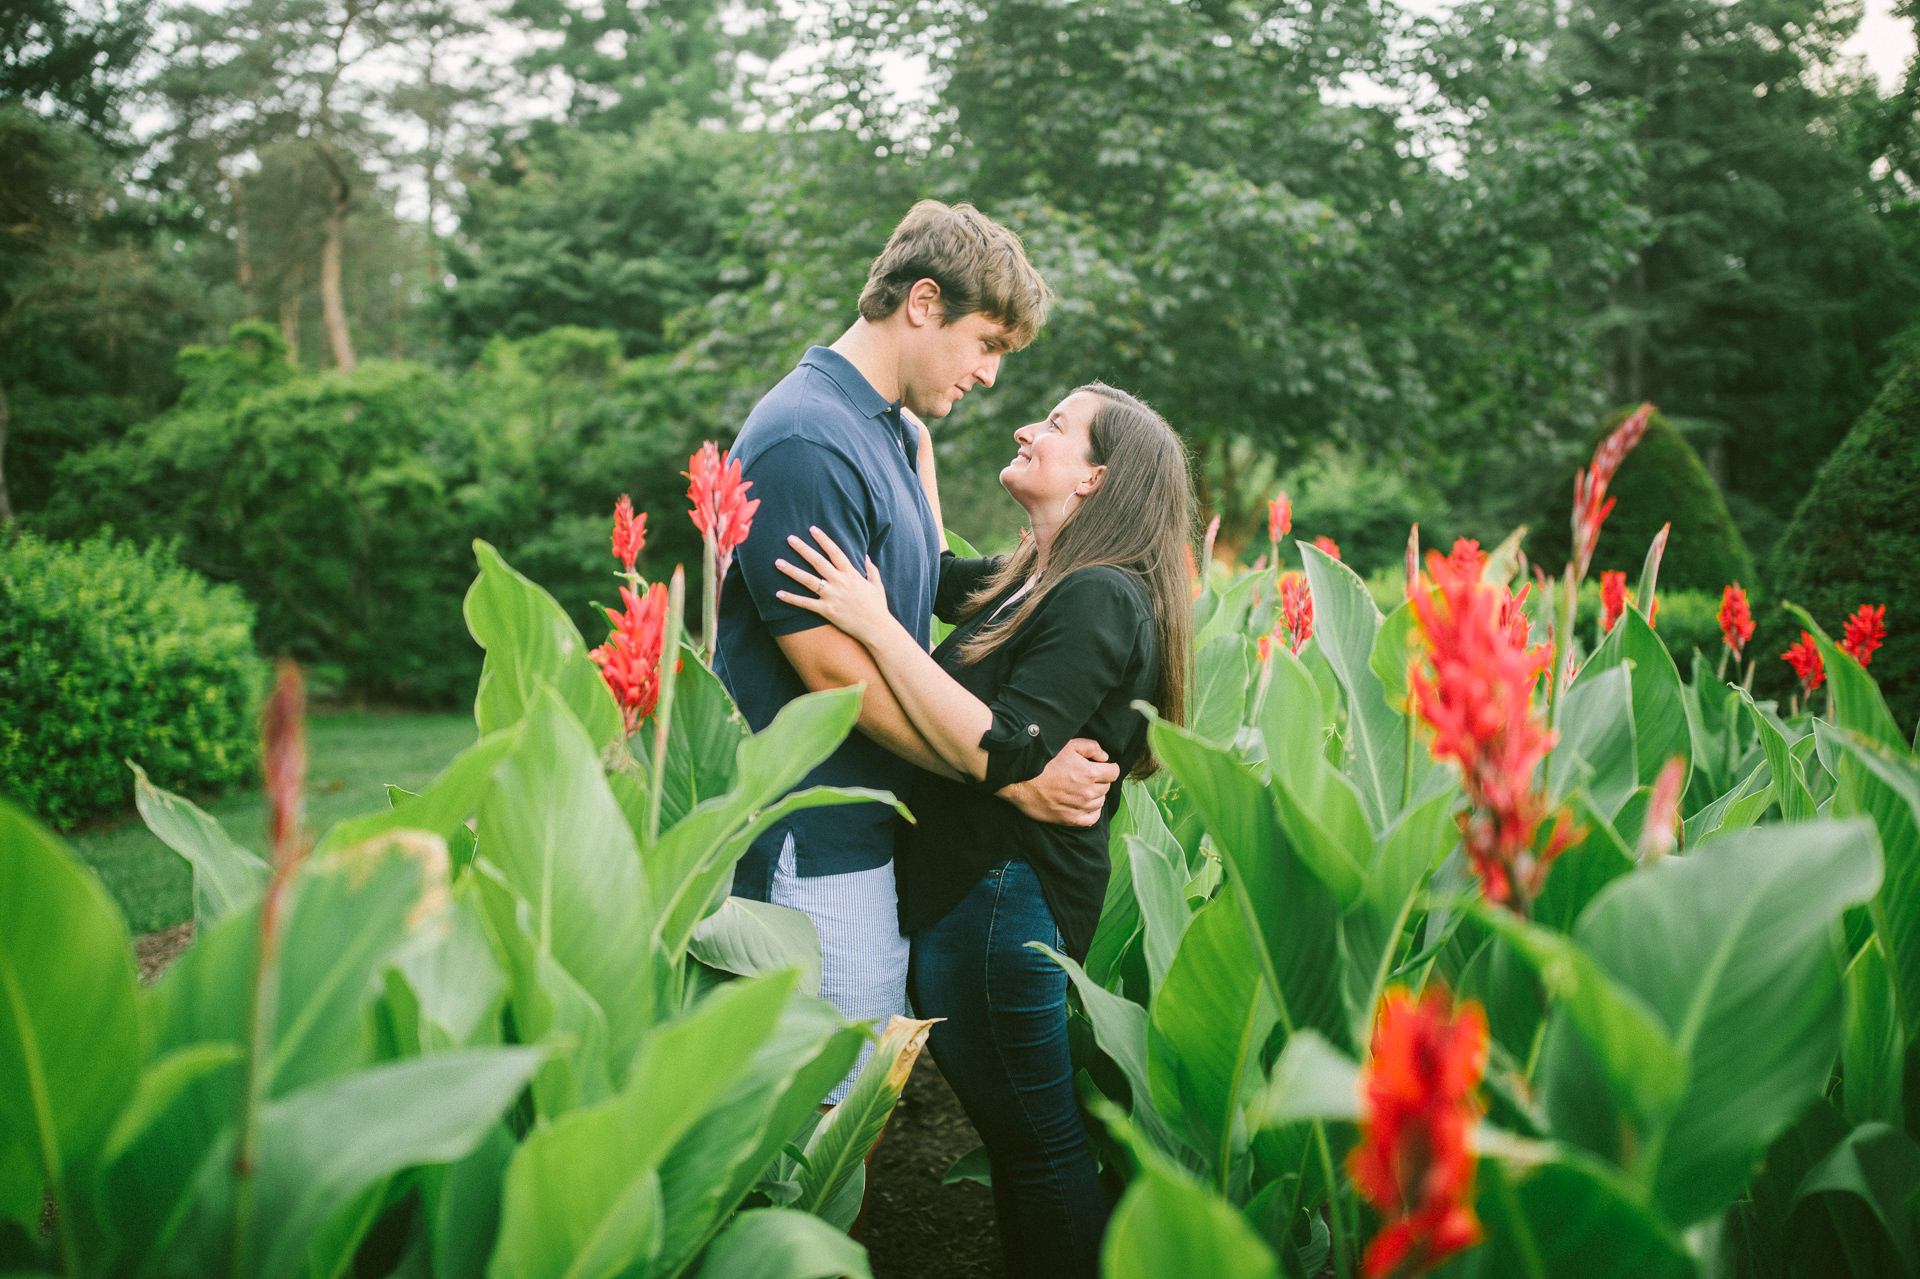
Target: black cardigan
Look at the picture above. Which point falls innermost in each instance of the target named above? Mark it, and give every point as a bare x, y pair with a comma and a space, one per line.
1073, 669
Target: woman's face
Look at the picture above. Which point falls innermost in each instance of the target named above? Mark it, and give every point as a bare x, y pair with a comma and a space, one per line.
1053, 461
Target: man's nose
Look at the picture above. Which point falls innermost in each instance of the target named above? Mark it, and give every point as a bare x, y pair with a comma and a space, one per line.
988, 370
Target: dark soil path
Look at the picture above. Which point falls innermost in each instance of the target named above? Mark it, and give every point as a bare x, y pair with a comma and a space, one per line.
916, 1228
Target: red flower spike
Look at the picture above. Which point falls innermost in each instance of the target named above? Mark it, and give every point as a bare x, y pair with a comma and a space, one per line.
1213, 534
721, 510
1866, 631
630, 659
1613, 598
1736, 621
1591, 504
1263, 649
1415, 1161
1804, 657
1296, 609
283, 761
1466, 559
1328, 545
1472, 684
1279, 517
629, 532
1413, 561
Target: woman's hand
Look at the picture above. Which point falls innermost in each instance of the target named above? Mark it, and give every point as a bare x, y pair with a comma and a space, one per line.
853, 601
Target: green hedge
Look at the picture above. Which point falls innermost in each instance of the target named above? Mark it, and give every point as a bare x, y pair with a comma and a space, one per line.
1662, 480
110, 653
1855, 539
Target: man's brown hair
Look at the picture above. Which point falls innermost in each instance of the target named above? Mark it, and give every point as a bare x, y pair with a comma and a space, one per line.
978, 264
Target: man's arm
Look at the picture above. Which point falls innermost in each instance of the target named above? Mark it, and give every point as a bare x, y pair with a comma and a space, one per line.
825, 657
1069, 793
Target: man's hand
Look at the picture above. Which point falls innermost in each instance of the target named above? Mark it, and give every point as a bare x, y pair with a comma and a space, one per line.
1072, 790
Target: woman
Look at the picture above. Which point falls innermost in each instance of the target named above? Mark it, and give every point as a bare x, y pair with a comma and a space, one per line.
1055, 641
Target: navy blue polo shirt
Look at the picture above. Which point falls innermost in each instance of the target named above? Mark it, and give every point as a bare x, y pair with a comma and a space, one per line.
824, 448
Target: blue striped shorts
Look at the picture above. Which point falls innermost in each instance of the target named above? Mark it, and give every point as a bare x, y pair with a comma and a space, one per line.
864, 957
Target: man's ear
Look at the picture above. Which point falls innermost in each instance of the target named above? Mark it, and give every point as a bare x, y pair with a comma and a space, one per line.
924, 304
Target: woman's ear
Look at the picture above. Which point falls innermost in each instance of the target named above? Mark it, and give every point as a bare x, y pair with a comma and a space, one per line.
1091, 485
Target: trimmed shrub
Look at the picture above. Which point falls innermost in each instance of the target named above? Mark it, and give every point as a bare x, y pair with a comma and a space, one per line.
1855, 539
1661, 481
110, 653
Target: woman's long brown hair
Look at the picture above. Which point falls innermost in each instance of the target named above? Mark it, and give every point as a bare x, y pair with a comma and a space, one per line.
1139, 519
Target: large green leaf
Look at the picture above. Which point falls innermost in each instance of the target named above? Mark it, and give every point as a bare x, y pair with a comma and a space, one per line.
1789, 783
1571, 1217
695, 856
1660, 729
226, 875
751, 939
1345, 626
1222, 681
1120, 1029
1159, 887
1311, 1080
1576, 877
714, 1166
349, 913
530, 641
833, 1180
1873, 1046
454, 981
1316, 804
1882, 780
702, 740
324, 1145
1596, 726
1209, 1021
779, 1243
1732, 948
551, 826
1118, 932
1285, 905
1167, 1225
1879, 1166
547, 1005
1645, 1071
1746, 803
583, 1193
69, 1035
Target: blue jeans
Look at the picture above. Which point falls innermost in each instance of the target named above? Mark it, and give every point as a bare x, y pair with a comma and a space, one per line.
1003, 1048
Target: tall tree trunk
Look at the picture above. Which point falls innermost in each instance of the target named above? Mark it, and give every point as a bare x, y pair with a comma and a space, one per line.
333, 306
6, 503
292, 285
242, 245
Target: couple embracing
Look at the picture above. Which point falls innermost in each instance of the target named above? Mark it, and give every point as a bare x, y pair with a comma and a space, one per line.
1007, 740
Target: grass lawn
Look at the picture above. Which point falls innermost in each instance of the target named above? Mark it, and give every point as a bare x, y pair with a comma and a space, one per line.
352, 756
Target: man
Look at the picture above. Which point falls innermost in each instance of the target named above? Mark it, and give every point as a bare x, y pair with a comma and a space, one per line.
830, 447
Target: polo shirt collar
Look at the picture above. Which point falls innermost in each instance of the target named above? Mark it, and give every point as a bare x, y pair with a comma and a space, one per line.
850, 380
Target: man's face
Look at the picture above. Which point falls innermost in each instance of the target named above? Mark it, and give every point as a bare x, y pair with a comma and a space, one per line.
945, 361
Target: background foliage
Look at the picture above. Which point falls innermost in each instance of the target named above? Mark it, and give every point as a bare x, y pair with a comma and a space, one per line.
1399, 262
110, 652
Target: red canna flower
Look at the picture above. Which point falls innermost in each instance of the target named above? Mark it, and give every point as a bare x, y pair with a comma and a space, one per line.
1415, 1161
630, 659
721, 510
1328, 545
1736, 622
1590, 501
1466, 559
629, 532
1613, 598
1263, 649
1804, 657
1296, 609
1866, 631
1472, 684
1279, 517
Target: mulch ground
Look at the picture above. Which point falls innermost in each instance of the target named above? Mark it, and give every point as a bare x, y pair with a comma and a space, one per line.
915, 1228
